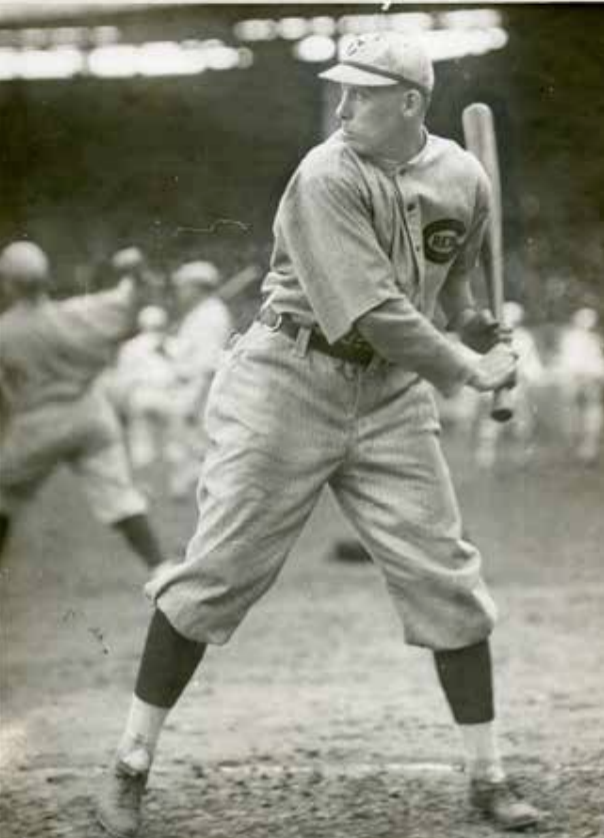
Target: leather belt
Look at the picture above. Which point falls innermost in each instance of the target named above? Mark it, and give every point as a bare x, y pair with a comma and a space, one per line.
356, 351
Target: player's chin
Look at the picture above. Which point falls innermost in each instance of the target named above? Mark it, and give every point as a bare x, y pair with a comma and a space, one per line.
354, 142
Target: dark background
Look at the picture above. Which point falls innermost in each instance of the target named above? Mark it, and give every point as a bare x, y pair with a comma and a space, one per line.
88, 164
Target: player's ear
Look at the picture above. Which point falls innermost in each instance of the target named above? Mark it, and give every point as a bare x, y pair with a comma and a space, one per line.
413, 103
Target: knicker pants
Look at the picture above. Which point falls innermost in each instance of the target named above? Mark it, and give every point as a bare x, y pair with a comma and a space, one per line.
281, 425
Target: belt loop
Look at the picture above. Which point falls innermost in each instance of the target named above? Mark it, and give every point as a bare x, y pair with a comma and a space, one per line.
271, 319
302, 341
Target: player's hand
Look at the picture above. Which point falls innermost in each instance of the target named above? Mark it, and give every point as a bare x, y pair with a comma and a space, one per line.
482, 332
495, 369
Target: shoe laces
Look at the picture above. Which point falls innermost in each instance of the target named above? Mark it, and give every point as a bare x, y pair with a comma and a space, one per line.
131, 786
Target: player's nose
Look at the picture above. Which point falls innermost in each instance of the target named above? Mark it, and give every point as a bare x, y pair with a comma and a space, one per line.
344, 109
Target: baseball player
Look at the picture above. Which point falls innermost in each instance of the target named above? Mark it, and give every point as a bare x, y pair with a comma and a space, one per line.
141, 385
333, 384
578, 369
195, 351
51, 353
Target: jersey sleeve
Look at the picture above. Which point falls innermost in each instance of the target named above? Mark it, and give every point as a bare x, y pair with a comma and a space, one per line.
401, 335
98, 322
326, 228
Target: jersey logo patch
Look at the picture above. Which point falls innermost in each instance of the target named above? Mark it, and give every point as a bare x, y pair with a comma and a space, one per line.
442, 239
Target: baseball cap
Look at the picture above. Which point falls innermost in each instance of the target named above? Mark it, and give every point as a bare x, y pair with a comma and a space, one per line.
204, 274
25, 263
383, 59
127, 259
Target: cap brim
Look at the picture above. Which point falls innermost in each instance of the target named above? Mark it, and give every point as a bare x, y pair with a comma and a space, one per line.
343, 74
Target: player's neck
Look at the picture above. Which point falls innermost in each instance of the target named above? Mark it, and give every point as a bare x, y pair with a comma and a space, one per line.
408, 147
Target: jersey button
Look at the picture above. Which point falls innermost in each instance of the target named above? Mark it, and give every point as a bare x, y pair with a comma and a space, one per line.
411, 207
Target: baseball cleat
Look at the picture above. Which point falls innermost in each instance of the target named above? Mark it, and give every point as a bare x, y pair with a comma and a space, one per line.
119, 806
504, 807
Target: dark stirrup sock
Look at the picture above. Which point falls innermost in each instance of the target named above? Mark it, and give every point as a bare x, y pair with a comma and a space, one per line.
168, 663
138, 533
466, 676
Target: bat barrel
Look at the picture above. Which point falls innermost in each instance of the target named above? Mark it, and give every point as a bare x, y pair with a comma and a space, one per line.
480, 137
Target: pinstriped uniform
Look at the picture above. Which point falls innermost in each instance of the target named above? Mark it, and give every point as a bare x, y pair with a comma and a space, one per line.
284, 420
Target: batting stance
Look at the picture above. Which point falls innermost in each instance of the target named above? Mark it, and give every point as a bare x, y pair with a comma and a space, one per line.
333, 384
51, 353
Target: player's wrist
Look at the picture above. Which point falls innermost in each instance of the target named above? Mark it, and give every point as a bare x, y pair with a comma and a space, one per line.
475, 379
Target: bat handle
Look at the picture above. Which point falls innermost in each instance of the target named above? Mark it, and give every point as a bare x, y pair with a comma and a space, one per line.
501, 409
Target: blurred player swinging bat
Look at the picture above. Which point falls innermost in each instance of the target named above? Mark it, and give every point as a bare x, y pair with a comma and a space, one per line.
239, 283
479, 133
131, 261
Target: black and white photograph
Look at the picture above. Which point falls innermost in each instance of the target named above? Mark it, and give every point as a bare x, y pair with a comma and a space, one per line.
301, 419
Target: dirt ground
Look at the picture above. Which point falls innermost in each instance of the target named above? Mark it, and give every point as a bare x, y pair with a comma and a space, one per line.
316, 721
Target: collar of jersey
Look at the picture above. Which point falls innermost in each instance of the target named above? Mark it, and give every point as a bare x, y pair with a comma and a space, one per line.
394, 167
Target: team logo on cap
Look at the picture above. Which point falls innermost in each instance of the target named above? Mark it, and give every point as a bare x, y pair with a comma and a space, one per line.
360, 42
442, 239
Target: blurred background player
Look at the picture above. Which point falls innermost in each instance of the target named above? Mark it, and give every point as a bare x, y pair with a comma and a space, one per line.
529, 377
578, 369
51, 354
141, 385
203, 330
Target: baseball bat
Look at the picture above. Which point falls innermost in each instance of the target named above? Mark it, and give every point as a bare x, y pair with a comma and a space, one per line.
240, 282
481, 140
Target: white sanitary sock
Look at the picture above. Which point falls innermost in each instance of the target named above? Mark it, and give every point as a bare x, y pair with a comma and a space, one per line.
482, 752
144, 725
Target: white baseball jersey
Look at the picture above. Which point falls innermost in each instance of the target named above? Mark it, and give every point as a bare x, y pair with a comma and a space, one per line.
197, 346
352, 233
143, 364
580, 354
